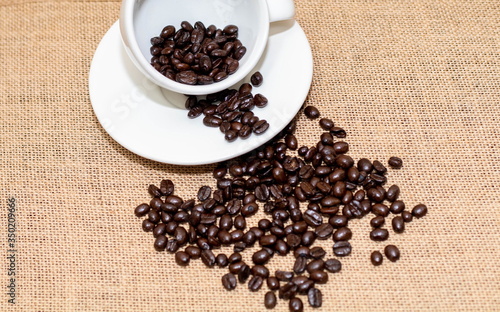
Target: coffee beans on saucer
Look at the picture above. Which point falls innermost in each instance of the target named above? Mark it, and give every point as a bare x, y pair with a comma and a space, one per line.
308, 194
195, 54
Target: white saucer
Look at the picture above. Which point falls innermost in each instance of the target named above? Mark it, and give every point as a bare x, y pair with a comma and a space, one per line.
135, 113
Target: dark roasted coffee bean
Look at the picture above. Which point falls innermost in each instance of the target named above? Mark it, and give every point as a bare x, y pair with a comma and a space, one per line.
392, 193
308, 238
204, 193
244, 273
300, 265
268, 240
379, 167
379, 234
317, 252
172, 246
208, 257
407, 216
324, 231
193, 252
397, 207
315, 297
395, 162
312, 218
182, 258
261, 257
333, 265
392, 253
311, 112
270, 300
377, 222
287, 291
376, 258
338, 221
221, 260
161, 242
326, 123
295, 305
319, 277
229, 281
260, 270
256, 79
260, 127
342, 234
419, 211
365, 165
380, 210
342, 248
315, 265
284, 275
398, 224
142, 210
273, 283
255, 283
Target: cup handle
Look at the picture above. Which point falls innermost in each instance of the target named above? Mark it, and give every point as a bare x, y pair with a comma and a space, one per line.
280, 10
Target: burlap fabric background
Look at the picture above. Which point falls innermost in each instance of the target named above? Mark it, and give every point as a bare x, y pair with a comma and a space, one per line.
418, 79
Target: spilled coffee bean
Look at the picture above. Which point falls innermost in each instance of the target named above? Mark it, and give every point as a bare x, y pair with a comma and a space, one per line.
231, 111
309, 194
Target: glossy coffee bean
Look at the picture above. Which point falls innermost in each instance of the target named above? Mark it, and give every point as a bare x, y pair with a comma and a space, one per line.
379, 234
392, 253
333, 265
295, 305
342, 248
229, 281
315, 297
398, 224
376, 258
395, 162
419, 211
311, 112
270, 300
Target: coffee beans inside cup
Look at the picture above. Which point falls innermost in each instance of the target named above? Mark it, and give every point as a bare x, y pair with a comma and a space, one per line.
197, 55
308, 194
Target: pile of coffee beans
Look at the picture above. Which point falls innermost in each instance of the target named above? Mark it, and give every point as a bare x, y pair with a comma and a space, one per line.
197, 54
309, 193
231, 110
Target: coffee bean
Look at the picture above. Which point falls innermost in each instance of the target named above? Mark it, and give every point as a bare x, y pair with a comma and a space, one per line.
324, 231
379, 167
419, 211
296, 305
317, 252
398, 224
315, 265
407, 216
395, 162
392, 253
342, 234
397, 207
376, 258
319, 277
287, 291
255, 283
229, 281
182, 258
377, 222
300, 265
379, 234
338, 221
326, 123
260, 127
273, 283
222, 260
256, 79
208, 257
270, 300
261, 257
315, 297
333, 265
142, 210
161, 242
342, 248
244, 273
284, 275
392, 193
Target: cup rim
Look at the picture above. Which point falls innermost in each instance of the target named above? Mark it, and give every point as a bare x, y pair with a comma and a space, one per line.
131, 45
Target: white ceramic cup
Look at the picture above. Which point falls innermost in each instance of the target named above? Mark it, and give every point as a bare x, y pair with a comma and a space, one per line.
140, 20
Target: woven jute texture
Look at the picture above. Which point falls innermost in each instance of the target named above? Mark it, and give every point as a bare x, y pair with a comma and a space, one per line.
418, 79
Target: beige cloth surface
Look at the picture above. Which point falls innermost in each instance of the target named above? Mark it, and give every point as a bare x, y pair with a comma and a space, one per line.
416, 79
